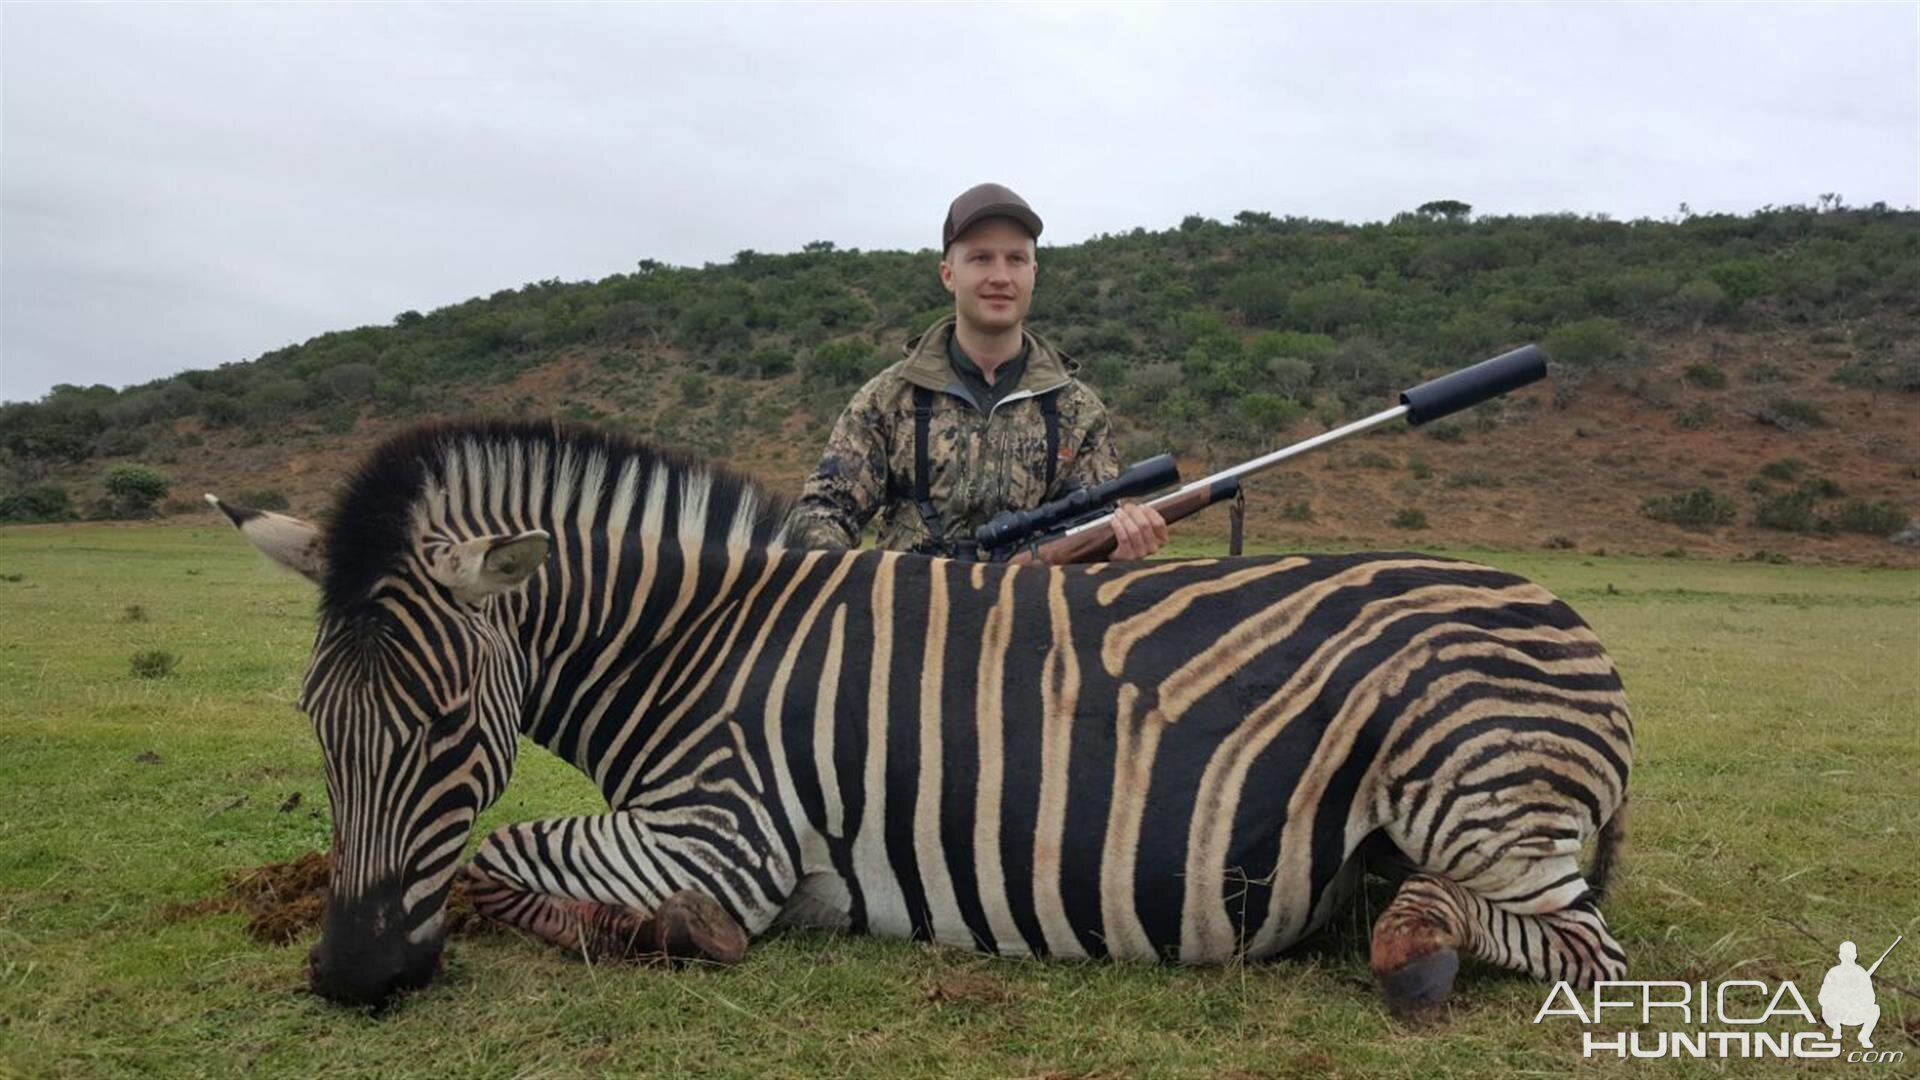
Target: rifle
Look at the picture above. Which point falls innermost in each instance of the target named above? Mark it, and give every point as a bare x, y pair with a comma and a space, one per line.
1079, 527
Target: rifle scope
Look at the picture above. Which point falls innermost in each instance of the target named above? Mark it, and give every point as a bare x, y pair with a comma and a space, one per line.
1010, 527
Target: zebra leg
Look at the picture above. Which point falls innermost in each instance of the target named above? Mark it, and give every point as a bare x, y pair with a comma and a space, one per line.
1418, 939
685, 926
592, 885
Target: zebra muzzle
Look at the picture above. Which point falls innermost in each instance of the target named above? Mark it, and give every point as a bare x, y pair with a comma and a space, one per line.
364, 959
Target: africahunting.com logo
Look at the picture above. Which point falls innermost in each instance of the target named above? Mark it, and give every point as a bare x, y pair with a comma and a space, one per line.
1738, 1018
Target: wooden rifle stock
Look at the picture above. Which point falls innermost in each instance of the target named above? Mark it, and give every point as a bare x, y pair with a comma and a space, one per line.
1095, 541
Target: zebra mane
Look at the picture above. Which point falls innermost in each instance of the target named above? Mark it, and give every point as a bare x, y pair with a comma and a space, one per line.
544, 475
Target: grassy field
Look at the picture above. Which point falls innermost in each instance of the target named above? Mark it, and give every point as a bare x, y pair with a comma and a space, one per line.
1777, 783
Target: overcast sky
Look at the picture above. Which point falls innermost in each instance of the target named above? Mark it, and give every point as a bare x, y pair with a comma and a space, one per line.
186, 186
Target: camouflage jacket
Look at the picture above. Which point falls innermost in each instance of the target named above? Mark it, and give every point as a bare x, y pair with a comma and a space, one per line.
980, 464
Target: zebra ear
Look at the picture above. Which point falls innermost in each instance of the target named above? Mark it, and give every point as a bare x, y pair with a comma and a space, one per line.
292, 543
489, 565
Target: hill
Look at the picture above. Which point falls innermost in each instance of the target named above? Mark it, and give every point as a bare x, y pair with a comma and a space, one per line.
1727, 385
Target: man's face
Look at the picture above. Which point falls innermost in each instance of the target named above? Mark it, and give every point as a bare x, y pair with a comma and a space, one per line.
989, 270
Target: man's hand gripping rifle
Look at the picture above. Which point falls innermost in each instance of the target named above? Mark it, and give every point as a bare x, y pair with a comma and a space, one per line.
1079, 527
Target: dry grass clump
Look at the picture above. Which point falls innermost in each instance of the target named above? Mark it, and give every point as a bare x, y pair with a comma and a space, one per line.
285, 900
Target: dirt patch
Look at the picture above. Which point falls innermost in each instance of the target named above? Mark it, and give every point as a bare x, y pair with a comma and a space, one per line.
283, 901
965, 988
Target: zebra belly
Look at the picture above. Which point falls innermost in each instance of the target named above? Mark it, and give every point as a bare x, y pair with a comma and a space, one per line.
1105, 872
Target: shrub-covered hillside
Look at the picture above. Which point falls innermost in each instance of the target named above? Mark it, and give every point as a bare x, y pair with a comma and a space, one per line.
1211, 338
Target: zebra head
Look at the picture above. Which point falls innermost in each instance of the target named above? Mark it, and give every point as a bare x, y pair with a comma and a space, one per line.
414, 689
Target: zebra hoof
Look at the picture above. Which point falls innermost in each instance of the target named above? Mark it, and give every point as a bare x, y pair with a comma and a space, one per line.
693, 926
1416, 989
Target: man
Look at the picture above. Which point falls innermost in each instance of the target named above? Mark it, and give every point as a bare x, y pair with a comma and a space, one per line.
982, 416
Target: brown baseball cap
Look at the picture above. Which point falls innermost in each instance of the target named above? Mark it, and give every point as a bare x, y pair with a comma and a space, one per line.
984, 201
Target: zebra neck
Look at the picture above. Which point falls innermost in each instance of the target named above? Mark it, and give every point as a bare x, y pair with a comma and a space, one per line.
623, 634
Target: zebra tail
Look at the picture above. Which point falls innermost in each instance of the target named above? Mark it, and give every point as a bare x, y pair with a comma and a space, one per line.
1609, 846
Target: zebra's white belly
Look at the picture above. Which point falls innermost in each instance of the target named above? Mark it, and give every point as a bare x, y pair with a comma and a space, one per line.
822, 901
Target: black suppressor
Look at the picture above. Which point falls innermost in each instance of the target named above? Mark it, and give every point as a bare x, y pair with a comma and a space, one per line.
1012, 527
1469, 386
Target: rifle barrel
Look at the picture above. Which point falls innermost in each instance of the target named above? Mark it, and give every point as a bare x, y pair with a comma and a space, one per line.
1265, 461
1883, 956
1430, 400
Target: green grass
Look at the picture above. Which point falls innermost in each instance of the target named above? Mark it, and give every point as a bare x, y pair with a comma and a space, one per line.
1779, 745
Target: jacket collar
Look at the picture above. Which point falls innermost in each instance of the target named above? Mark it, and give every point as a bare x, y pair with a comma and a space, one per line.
1047, 366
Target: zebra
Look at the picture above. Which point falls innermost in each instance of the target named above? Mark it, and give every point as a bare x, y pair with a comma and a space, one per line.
1186, 760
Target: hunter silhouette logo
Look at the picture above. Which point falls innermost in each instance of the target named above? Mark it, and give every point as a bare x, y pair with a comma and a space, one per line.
1738, 1018
1846, 995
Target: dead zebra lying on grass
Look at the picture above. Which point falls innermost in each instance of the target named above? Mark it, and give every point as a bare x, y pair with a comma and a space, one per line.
1183, 760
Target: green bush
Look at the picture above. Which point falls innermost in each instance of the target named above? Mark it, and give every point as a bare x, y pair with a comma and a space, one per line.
1637, 290
695, 391
1298, 510
1331, 305
119, 442
1705, 376
1409, 518
273, 400
1695, 416
1879, 518
1741, 279
1791, 414
1589, 343
1362, 368
338, 419
1822, 488
1289, 376
154, 664
1696, 509
1260, 295
353, 382
1787, 469
48, 502
134, 490
1788, 511
1274, 344
1269, 414
770, 363
842, 362
1701, 300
